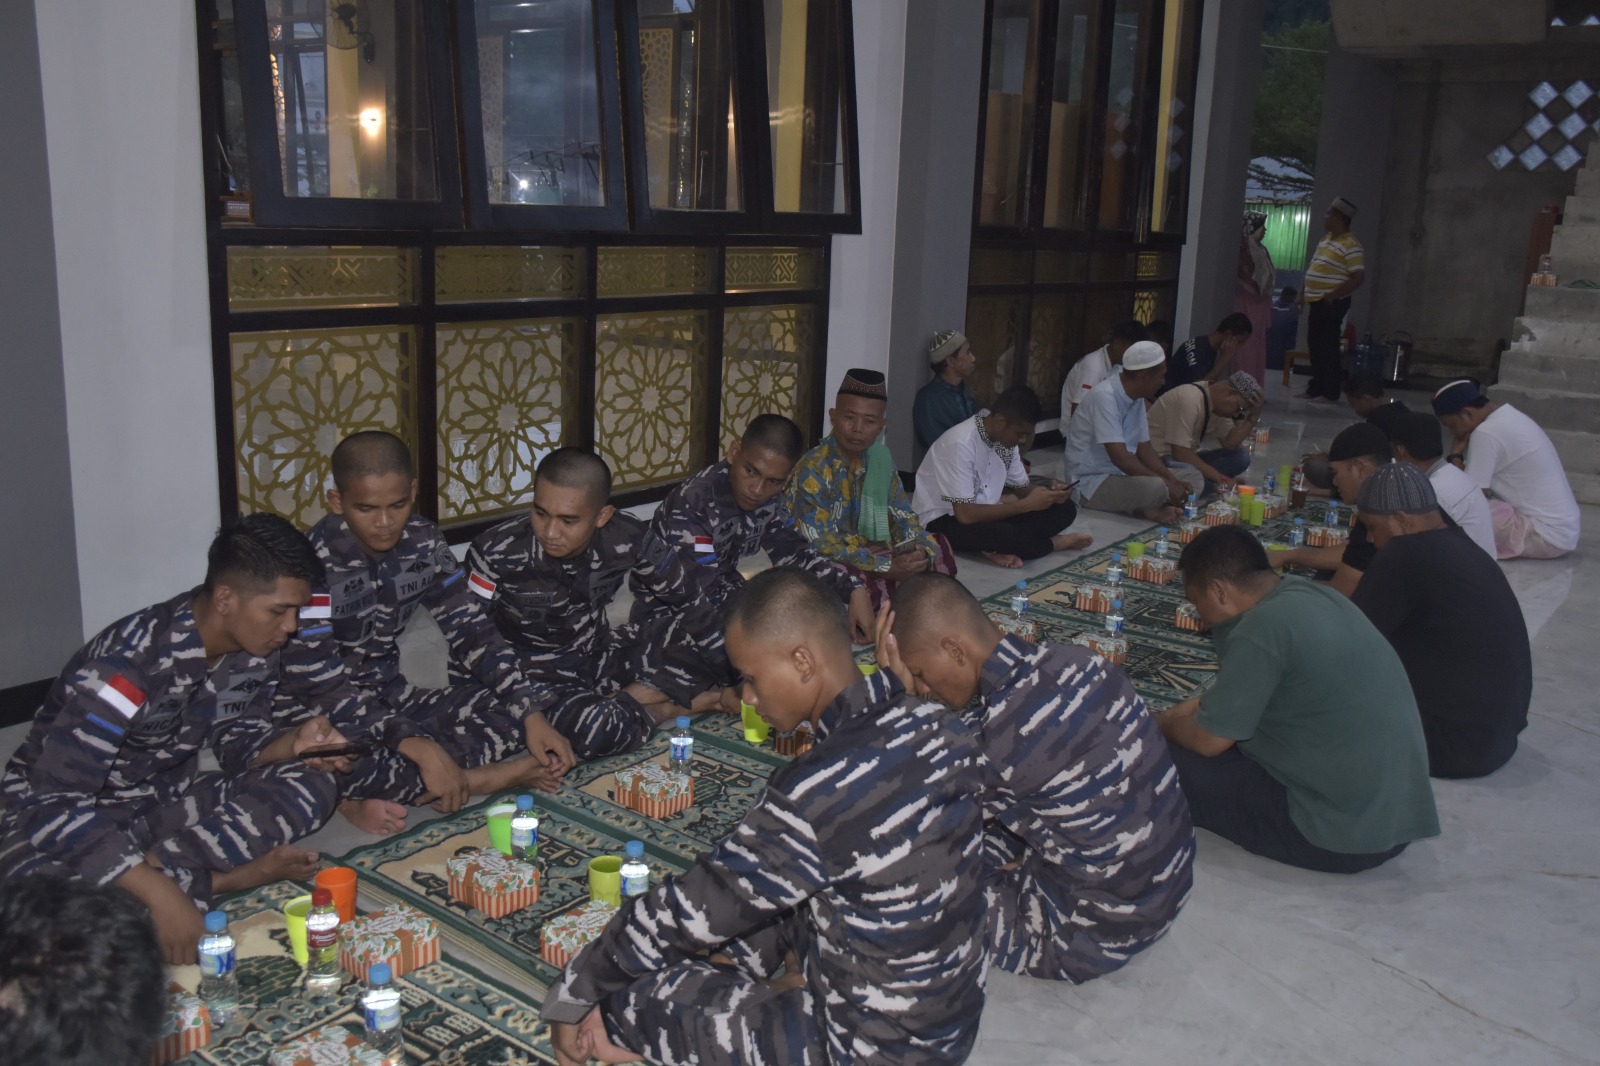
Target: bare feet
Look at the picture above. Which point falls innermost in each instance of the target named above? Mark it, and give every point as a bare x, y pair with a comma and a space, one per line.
379, 817
1168, 515
519, 771
1004, 559
592, 1036
1066, 542
283, 863
665, 712
725, 700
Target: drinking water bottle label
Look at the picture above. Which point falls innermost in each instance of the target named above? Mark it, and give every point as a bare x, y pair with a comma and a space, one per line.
522, 837
384, 1018
637, 885
324, 937
217, 963
682, 748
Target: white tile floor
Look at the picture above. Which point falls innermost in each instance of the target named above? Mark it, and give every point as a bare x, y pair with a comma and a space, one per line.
1480, 946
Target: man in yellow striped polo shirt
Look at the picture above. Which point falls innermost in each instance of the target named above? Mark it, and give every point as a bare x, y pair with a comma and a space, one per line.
1337, 269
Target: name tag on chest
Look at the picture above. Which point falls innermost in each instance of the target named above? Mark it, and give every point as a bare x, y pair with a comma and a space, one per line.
241, 690
351, 595
413, 581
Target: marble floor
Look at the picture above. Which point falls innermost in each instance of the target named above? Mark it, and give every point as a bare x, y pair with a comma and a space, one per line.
1479, 946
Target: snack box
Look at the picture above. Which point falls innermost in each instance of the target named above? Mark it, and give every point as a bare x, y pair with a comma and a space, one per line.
1189, 618
402, 936
563, 937
795, 742
1221, 513
1326, 536
1273, 505
1096, 598
653, 790
1010, 623
1153, 569
1112, 649
186, 1028
1186, 532
493, 883
332, 1045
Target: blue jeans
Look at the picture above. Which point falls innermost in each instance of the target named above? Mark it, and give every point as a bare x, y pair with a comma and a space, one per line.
1229, 462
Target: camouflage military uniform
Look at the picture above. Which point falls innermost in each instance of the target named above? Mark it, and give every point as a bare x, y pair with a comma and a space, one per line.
358, 619
553, 612
701, 519
884, 913
111, 768
1083, 797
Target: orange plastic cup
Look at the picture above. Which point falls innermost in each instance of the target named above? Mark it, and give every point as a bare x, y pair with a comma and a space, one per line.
341, 881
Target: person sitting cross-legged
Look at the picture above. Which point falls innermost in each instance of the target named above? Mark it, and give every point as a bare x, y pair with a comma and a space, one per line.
1099, 364
1308, 749
1416, 441
1109, 454
846, 496
841, 921
973, 490
1353, 456
1088, 847
1448, 610
946, 400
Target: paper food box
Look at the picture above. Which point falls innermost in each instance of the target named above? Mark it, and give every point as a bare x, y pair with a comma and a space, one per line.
401, 936
493, 883
1153, 569
332, 1045
1096, 598
1006, 622
1189, 618
1112, 649
1222, 513
565, 936
1326, 536
653, 790
796, 742
1186, 532
1273, 505
186, 1028
1263, 434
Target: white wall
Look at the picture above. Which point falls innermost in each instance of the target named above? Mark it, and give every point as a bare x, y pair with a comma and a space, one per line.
122, 125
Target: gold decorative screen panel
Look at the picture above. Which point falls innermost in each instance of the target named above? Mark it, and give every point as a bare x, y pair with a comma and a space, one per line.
504, 402
1054, 325
649, 391
297, 393
993, 323
654, 271
767, 357
483, 274
280, 277
1000, 266
758, 269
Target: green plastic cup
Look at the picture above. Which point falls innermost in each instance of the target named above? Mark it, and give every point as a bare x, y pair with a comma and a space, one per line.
605, 879
755, 726
294, 919
1135, 548
500, 826
868, 669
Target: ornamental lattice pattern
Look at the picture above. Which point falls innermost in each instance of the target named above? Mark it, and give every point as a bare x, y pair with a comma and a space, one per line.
992, 323
767, 357
1049, 333
756, 269
482, 274
297, 393
275, 278
649, 388
504, 403
654, 271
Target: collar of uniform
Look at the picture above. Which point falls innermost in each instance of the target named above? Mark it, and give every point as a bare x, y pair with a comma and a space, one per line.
872, 691
346, 550
983, 435
185, 648
1011, 650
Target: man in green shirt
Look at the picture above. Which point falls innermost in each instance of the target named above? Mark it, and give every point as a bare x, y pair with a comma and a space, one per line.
1308, 748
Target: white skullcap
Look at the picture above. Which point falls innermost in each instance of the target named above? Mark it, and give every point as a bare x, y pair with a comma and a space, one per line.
1142, 355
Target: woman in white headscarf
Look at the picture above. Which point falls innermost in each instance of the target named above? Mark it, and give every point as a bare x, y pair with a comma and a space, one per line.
1253, 295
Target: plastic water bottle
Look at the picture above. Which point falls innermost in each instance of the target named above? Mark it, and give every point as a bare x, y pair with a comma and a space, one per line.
381, 1008
1297, 535
635, 874
1191, 509
1019, 599
1161, 547
1114, 570
1331, 519
1270, 482
219, 976
1114, 619
525, 831
682, 753
324, 975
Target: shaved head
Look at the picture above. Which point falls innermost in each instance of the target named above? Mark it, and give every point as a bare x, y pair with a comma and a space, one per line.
929, 606
370, 453
942, 636
789, 604
578, 468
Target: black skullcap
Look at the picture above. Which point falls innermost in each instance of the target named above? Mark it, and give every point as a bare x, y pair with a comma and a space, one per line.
861, 382
1360, 441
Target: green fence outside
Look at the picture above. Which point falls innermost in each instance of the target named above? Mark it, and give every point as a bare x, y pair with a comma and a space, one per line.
1288, 230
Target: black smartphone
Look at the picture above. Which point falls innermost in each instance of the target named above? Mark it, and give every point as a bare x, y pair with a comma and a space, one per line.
351, 751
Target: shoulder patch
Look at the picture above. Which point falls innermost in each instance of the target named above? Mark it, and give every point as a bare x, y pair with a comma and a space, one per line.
123, 695
320, 609
481, 585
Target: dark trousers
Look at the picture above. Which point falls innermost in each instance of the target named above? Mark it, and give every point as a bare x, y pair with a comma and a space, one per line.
1229, 462
1024, 535
1322, 344
1234, 797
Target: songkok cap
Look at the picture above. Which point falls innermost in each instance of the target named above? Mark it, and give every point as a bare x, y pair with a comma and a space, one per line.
1456, 395
1398, 488
1344, 207
862, 382
1248, 387
1360, 441
945, 343
1142, 355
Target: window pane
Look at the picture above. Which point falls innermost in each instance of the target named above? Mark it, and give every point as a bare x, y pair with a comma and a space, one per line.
350, 89
686, 76
541, 102
1119, 180
1174, 118
1008, 113
1070, 101
803, 87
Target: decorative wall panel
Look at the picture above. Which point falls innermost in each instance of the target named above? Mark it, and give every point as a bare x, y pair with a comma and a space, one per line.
273, 278
767, 358
482, 274
993, 323
755, 269
654, 271
649, 392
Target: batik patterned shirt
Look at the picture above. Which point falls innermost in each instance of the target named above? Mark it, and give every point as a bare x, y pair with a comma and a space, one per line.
824, 496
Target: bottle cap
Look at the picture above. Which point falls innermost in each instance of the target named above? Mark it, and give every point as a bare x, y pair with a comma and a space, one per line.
1299, 521
321, 897
1116, 557
1162, 531
1116, 605
1022, 584
524, 803
216, 921
683, 721
379, 974
635, 849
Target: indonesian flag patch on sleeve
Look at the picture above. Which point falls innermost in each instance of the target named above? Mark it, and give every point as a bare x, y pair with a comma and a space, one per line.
320, 609
705, 550
481, 585
122, 694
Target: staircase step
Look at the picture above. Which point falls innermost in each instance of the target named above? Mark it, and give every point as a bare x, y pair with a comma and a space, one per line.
1581, 209
1575, 253
1552, 409
1589, 180
1541, 370
1556, 337
1563, 304
1586, 487
1579, 450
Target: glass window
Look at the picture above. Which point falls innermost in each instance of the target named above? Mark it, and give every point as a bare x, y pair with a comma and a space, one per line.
686, 79
1119, 177
1070, 106
804, 83
1008, 114
1174, 118
541, 102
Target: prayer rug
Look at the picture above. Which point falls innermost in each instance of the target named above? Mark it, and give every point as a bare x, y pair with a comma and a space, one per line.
453, 1015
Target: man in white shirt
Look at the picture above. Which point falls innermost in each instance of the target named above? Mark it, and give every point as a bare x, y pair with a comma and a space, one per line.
1507, 455
1098, 365
972, 488
1109, 453
1415, 435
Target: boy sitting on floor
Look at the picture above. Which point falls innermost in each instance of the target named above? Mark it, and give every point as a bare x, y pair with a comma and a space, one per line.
858, 870
383, 562
108, 788
1088, 848
548, 579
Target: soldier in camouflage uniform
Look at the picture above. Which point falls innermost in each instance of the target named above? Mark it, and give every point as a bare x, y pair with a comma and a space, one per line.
107, 786
384, 562
548, 579
1089, 851
858, 871
729, 511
